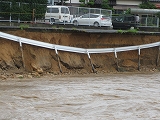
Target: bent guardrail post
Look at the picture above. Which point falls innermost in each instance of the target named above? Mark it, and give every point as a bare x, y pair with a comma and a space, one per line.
139, 58
158, 56
20, 43
58, 59
93, 69
115, 53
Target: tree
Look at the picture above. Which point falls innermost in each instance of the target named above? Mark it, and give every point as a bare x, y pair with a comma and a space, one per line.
23, 9
147, 5
82, 3
105, 4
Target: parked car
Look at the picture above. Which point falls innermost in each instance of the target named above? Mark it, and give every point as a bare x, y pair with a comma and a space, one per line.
57, 13
124, 22
93, 20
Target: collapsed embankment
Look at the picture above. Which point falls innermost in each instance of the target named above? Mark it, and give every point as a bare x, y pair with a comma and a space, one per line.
42, 60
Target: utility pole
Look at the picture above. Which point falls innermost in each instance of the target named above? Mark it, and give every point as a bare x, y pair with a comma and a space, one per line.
52, 2
33, 12
62, 2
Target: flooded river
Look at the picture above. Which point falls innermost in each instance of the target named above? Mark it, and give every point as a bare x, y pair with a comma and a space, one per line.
91, 97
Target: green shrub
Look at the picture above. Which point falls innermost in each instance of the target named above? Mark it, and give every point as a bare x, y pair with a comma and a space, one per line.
134, 31
121, 31
23, 26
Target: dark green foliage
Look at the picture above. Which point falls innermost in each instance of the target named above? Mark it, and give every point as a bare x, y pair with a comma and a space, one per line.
82, 3
128, 11
22, 9
147, 5
90, 3
105, 5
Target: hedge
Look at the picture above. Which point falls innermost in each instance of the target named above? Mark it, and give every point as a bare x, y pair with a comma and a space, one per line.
22, 9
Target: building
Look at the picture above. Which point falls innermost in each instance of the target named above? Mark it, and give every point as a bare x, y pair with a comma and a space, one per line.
156, 2
116, 4
125, 4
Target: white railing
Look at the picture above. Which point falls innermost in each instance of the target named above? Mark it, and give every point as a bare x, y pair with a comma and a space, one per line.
57, 48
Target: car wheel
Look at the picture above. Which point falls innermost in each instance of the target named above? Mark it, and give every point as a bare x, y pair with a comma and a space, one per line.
75, 23
52, 20
96, 24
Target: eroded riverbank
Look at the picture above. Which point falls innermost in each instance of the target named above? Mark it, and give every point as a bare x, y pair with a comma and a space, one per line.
37, 59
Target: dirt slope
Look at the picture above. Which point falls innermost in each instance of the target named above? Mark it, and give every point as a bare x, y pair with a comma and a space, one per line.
40, 59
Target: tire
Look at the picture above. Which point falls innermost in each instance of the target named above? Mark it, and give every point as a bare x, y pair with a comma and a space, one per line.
75, 23
52, 20
96, 24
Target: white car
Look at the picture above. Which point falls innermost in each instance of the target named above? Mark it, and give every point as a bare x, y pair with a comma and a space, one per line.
57, 14
93, 20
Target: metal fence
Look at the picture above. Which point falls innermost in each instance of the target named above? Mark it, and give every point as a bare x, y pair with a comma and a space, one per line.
20, 14
78, 11
40, 18
149, 21
18, 17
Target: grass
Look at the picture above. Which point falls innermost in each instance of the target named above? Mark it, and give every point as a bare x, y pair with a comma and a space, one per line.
23, 26
54, 27
61, 28
132, 31
121, 31
74, 28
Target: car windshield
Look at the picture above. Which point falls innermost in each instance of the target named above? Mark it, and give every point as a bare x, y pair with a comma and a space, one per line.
64, 10
119, 19
124, 18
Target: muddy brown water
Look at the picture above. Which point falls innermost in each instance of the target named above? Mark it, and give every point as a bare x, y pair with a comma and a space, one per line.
129, 96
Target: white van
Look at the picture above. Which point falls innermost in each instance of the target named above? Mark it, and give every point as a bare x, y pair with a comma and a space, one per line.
57, 14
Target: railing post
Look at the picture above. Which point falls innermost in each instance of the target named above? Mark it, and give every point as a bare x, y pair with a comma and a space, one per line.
58, 59
158, 56
20, 43
139, 58
10, 17
157, 22
115, 53
93, 69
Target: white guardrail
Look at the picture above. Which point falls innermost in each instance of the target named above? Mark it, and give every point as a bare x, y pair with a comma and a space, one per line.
22, 40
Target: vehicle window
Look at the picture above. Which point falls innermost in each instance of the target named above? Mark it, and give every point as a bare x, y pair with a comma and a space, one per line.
85, 16
52, 10
131, 18
94, 16
64, 10
119, 19
105, 17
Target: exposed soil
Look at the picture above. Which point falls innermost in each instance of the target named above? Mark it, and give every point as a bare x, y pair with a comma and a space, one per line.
41, 60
